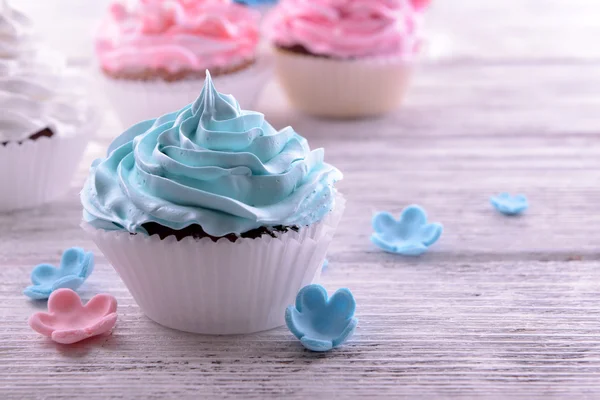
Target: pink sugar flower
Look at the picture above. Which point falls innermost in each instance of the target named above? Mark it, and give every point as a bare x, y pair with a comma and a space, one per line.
69, 321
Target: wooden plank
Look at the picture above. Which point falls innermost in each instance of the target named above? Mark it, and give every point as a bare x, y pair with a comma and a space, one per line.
489, 329
560, 224
492, 31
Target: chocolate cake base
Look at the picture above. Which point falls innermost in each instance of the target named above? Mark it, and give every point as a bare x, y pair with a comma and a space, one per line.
168, 76
299, 49
46, 132
197, 232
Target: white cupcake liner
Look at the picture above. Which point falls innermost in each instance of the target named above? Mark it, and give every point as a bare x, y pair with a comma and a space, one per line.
333, 88
37, 172
136, 101
218, 288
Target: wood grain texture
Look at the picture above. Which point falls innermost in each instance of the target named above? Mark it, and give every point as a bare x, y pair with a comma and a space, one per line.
470, 329
500, 307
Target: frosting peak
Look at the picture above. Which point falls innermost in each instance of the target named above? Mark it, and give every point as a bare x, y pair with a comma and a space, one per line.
348, 28
177, 35
212, 164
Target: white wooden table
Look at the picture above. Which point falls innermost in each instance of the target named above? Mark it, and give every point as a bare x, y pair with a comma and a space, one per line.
509, 100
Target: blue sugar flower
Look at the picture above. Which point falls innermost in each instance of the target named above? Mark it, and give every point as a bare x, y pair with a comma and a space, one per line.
319, 323
509, 205
76, 265
411, 235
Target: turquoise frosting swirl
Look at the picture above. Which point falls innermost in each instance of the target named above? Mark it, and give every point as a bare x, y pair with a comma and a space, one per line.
212, 164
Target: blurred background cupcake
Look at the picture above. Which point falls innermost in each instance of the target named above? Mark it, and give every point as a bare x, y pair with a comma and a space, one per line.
45, 122
154, 54
345, 58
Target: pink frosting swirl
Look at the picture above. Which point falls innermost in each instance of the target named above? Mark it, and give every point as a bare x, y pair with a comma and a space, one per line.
348, 28
177, 35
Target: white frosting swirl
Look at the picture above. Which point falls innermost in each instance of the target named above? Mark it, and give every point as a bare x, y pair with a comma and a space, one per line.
15, 31
32, 84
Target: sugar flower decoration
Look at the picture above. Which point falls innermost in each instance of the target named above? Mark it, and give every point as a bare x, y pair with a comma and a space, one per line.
410, 235
508, 204
69, 321
76, 265
320, 323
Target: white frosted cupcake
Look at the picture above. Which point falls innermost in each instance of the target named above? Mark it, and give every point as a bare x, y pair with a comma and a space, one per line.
213, 219
44, 124
345, 59
153, 54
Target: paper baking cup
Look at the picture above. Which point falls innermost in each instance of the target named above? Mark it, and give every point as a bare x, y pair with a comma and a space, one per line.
218, 288
342, 88
37, 172
136, 101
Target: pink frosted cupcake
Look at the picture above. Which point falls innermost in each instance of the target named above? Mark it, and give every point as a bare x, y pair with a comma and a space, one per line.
154, 55
345, 58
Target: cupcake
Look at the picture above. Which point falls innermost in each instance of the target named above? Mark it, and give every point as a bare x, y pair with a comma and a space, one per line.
153, 55
213, 219
44, 124
345, 59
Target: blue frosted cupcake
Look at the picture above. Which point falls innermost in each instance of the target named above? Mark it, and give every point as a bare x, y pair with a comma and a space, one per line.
213, 219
